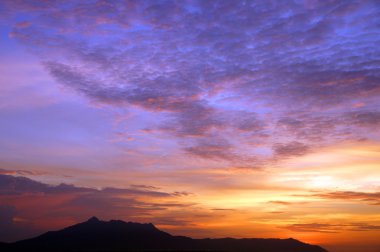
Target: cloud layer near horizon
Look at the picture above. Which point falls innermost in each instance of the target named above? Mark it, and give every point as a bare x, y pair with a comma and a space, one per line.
22, 198
21, 214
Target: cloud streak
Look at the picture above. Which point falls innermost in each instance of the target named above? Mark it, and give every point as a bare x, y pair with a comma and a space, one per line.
330, 228
372, 198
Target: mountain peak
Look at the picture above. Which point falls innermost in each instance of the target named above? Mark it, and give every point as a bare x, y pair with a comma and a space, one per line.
93, 219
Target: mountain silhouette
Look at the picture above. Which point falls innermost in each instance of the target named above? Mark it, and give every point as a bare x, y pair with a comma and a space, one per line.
116, 235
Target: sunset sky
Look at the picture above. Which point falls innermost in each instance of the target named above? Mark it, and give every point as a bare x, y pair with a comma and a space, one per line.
206, 118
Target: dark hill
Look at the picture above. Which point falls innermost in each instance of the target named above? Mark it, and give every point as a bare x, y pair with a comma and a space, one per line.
3, 246
115, 235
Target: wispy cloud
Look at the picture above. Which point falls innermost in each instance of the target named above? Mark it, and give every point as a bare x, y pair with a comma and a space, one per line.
330, 228
21, 172
372, 198
291, 149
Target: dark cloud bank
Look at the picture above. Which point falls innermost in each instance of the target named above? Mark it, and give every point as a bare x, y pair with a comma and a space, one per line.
26, 205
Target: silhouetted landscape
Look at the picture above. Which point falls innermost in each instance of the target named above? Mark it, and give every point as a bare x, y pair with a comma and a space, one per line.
116, 235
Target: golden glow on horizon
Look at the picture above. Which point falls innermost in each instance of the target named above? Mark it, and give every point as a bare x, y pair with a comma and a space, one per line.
273, 202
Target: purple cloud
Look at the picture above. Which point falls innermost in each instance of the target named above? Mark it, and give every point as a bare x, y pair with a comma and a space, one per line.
254, 68
20, 185
291, 149
21, 198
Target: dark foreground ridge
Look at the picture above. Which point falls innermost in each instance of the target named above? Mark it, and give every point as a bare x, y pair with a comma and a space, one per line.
116, 235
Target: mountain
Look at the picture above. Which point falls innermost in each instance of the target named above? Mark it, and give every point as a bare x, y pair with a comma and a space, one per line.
116, 235
3, 245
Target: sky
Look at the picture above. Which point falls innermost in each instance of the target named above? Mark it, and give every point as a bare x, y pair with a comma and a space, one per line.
206, 118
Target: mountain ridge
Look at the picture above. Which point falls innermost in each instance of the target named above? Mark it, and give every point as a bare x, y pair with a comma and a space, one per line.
117, 235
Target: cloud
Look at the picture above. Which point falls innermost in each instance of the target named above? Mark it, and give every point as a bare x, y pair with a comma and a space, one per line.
23, 24
276, 212
11, 226
372, 198
309, 127
10, 185
183, 193
291, 149
223, 209
279, 202
149, 187
6, 221
330, 228
20, 185
66, 204
312, 227
212, 149
241, 71
6, 216
20, 172
364, 118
